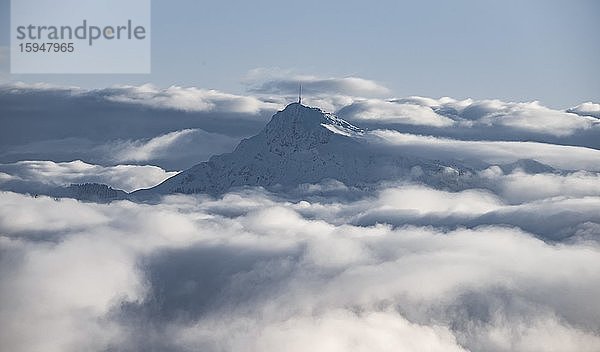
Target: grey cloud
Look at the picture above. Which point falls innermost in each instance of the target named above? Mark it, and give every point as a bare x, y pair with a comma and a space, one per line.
64, 124
173, 150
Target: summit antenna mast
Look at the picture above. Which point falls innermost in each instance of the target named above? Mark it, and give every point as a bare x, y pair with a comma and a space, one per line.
300, 94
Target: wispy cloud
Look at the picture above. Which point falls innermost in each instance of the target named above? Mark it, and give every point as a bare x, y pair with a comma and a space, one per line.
164, 119
192, 145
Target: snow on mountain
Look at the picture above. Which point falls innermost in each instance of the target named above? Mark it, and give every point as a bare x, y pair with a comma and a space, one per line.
305, 145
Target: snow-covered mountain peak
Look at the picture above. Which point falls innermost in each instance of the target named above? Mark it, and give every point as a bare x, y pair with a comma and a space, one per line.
302, 145
299, 124
297, 128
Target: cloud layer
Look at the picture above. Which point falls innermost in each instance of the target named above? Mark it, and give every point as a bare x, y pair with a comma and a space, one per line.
187, 99
128, 124
486, 119
404, 267
145, 123
508, 260
558, 156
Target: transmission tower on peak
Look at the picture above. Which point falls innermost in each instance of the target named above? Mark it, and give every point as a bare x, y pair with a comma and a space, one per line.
300, 94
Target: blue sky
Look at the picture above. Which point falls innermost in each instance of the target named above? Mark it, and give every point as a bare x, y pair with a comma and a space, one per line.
511, 50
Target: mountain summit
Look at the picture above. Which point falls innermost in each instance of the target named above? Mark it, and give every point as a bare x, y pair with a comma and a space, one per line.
302, 145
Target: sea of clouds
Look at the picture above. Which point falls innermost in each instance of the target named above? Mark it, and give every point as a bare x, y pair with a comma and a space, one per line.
509, 263
404, 268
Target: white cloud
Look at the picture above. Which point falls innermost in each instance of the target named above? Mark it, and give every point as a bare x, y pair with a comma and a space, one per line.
530, 117
586, 109
513, 265
392, 112
336, 331
187, 99
46, 215
151, 109
543, 333
275, 81
559, 156
18, 87
519, 186
254, 272
422, 200
125, 177
149, 149
493, 118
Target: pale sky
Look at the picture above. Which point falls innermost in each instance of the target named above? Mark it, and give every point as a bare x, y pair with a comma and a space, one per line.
515, 50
